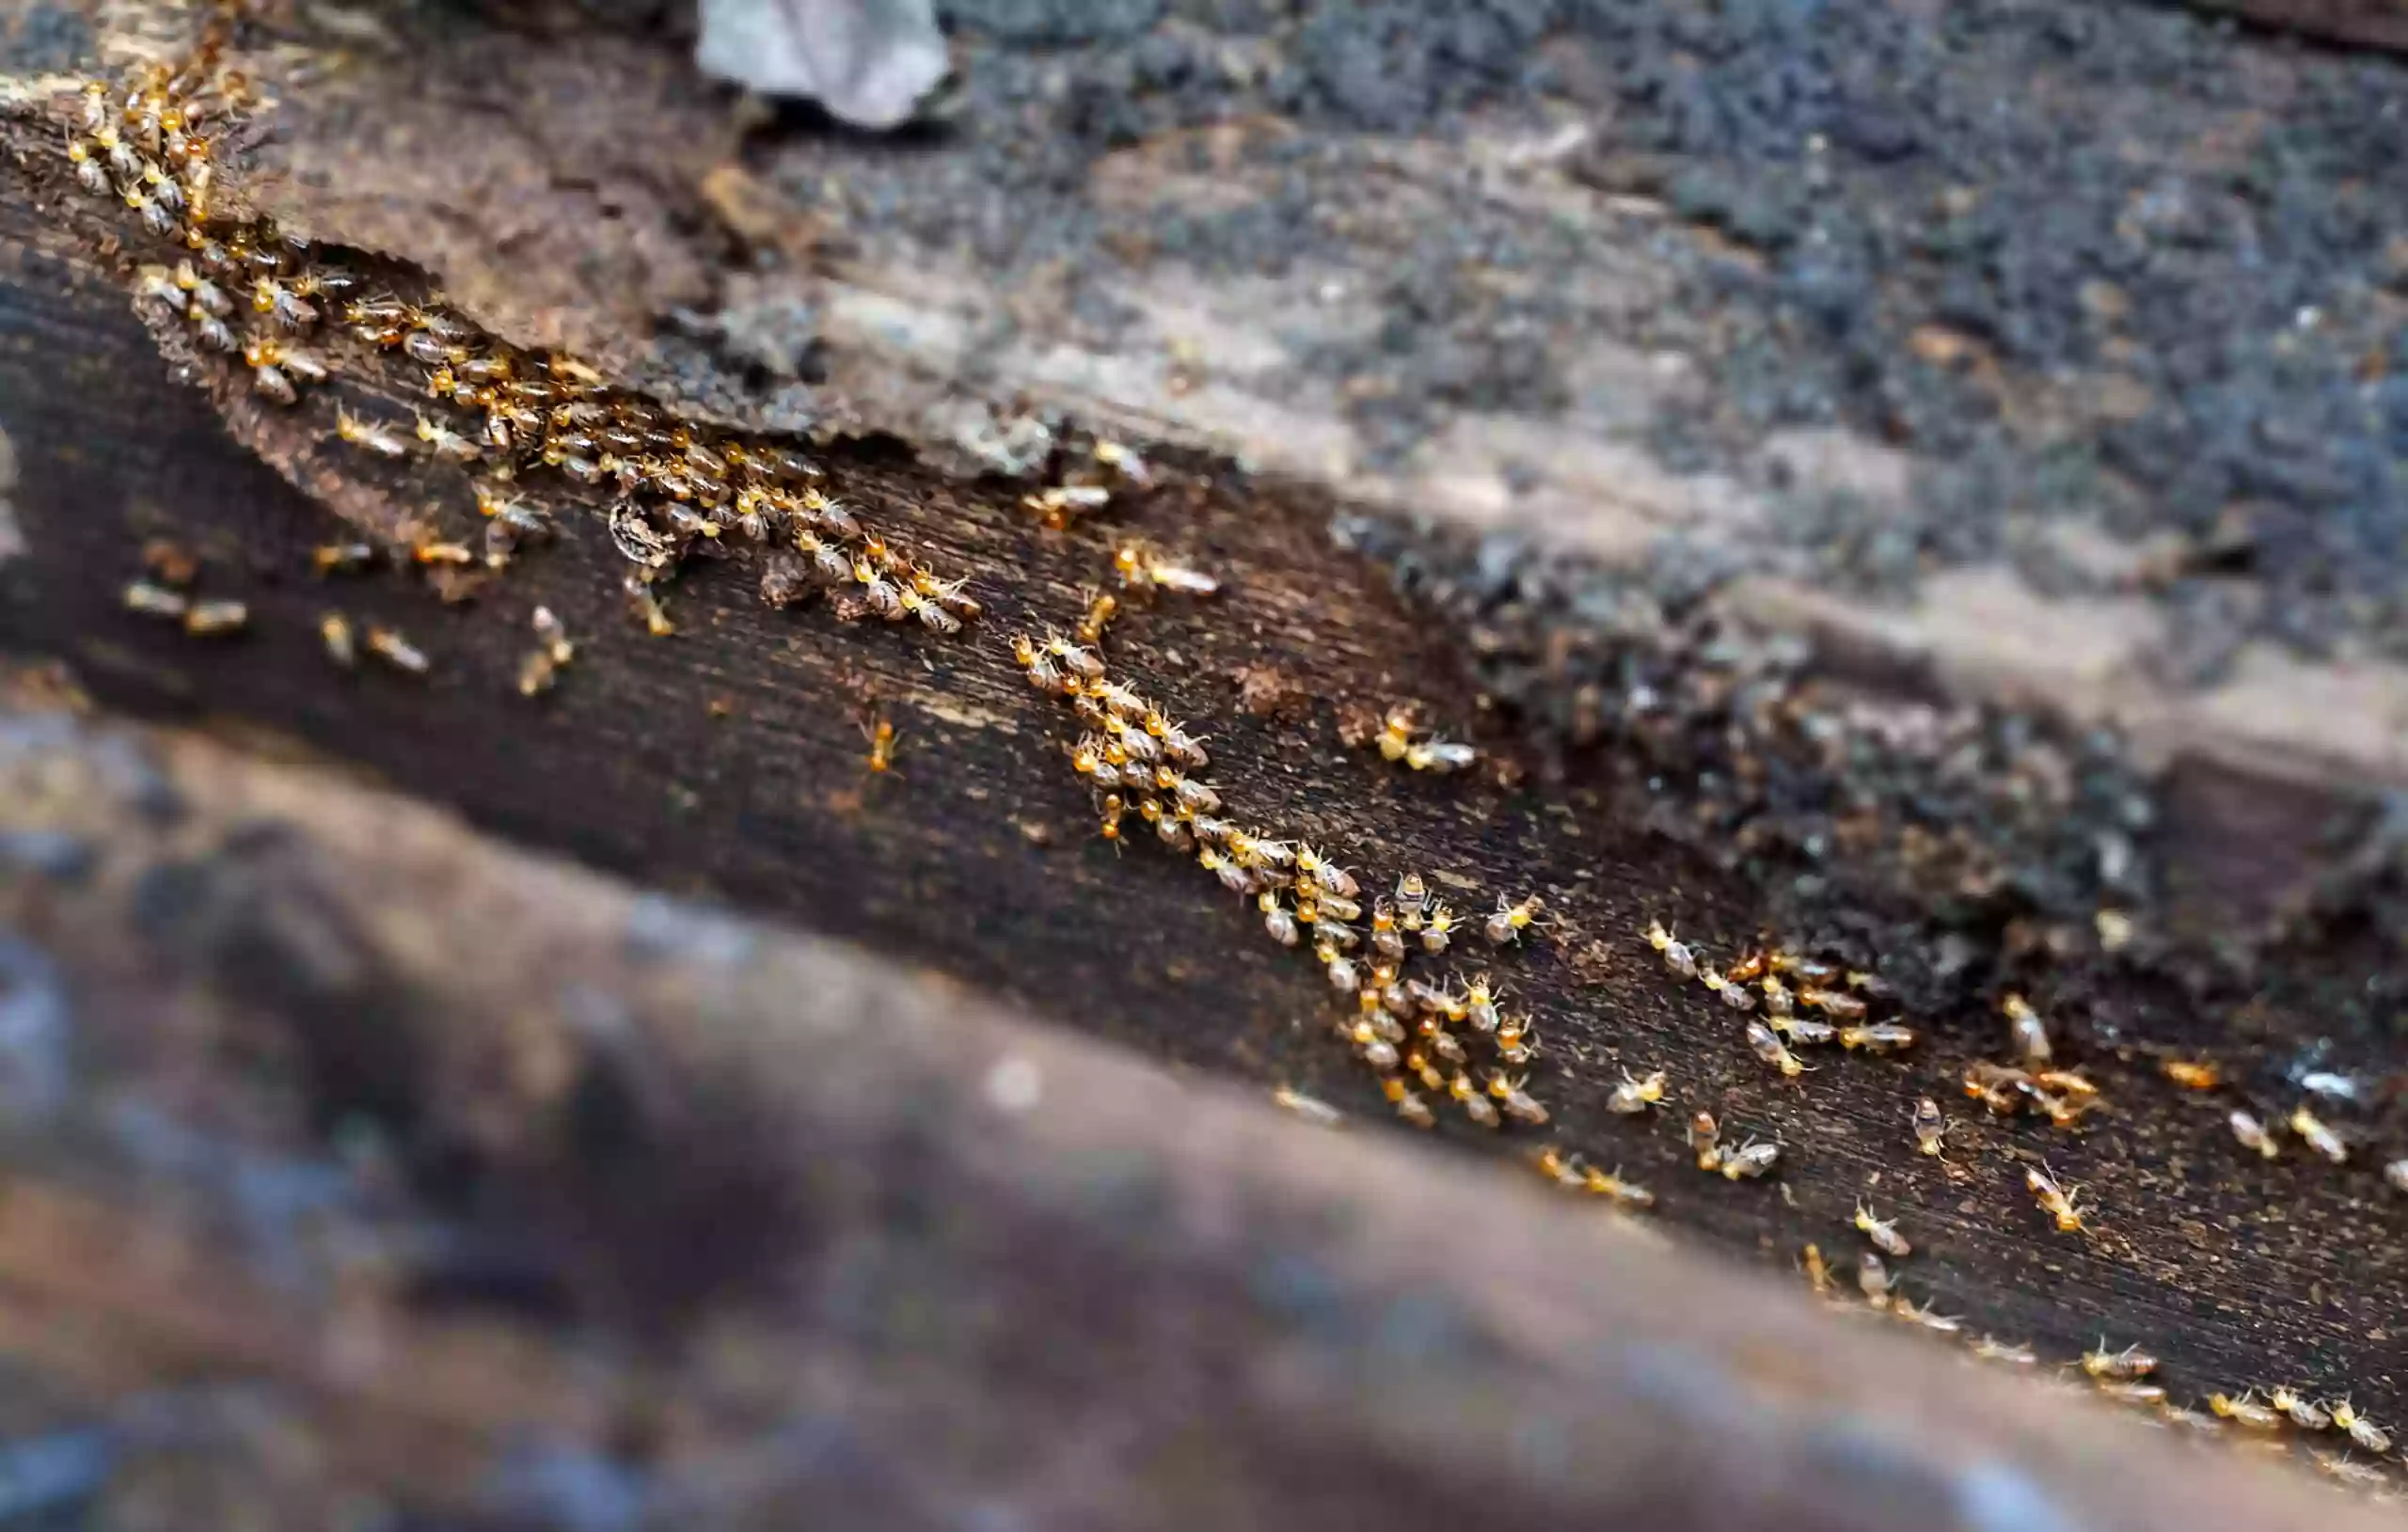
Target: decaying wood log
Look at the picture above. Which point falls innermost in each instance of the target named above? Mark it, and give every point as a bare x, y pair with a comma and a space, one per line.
1462, 397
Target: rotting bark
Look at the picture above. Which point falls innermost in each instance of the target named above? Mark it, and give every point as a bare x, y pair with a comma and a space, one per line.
769, 804
613, 1217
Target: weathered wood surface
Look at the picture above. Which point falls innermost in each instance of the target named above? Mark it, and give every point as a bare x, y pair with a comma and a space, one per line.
353, 1161
976, 858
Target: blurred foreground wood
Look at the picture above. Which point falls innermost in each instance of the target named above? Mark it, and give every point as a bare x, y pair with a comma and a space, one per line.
645, 1216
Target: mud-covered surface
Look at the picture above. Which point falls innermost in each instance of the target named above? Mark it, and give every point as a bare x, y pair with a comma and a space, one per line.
2163, 295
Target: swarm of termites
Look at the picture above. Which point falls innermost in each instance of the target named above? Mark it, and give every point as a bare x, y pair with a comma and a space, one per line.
2061, 1096
2029, 1083
1792, 1001
1418, 1036
241, 288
